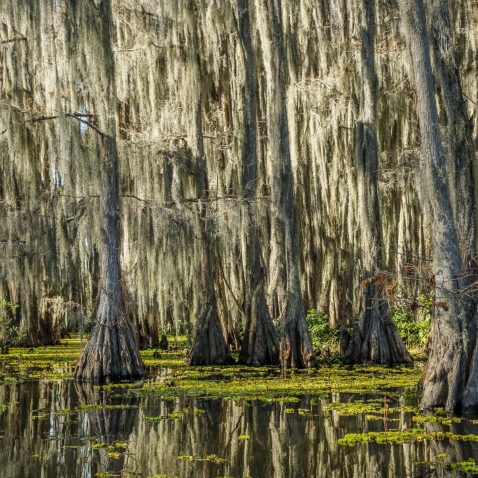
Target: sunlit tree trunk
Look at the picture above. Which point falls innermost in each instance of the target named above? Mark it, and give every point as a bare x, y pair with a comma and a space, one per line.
284, 288
375, 338
459, 137
209, 346
112, 351
453, 331
460, 151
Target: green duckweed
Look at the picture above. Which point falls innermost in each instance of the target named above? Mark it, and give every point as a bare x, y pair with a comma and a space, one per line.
400, 437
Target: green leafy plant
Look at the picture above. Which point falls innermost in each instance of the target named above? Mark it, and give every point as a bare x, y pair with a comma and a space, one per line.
325, 339
413, 326
10, 334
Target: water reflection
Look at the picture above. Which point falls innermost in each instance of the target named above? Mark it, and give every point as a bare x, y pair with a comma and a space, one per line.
63, 429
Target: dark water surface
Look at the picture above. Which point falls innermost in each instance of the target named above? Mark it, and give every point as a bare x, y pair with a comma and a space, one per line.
62, 429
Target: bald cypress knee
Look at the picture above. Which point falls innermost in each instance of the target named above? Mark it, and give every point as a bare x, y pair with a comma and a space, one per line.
111, 352
449, 378
259, 345
284, 263
375, 338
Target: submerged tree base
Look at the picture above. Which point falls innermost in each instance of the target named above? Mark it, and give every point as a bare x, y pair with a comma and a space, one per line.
259, 345
295, 346
375, 339
209, 346
110, 355
450, 376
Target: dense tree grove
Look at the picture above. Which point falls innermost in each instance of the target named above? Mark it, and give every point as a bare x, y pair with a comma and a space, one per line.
219, 167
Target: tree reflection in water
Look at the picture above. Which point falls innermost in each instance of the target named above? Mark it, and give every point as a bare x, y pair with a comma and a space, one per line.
66, 429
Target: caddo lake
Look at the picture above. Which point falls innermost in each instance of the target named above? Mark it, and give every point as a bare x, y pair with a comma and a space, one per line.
222, 422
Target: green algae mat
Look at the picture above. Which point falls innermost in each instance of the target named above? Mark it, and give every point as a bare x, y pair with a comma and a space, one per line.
169, 376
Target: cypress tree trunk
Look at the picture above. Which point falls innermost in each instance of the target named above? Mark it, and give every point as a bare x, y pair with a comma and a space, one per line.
111, 352
259, 345
459, 140
284, 287
459, 137
453, 331
209, 346
375, 338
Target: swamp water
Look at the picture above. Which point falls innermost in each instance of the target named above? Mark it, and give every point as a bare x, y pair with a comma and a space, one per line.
222, 422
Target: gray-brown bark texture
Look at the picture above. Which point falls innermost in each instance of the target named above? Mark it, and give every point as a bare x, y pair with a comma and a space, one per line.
453, 333
111, 352
259, 345
209, 345
374, 338
284, 281
50, 229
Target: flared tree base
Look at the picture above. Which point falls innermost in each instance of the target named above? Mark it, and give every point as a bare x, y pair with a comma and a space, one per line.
110, 355
295, 345
148, 336
375, 339
209, 346
450, 377
259, 345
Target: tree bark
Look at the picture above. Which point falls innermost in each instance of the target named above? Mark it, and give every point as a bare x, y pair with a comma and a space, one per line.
259, 345
284, 287
112, 351
209, 346
375, 338
453, 331
459, 137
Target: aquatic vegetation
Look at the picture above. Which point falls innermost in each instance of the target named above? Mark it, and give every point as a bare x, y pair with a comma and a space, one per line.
354, 408
244, 437
54, 362
171, 416
115, 450
436, 419
195, 411
161, 476
469, 466
402, 436
58, 361
371, 409
92, 407
114, 454
98, 446
211, 458
169, 377
267, 383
